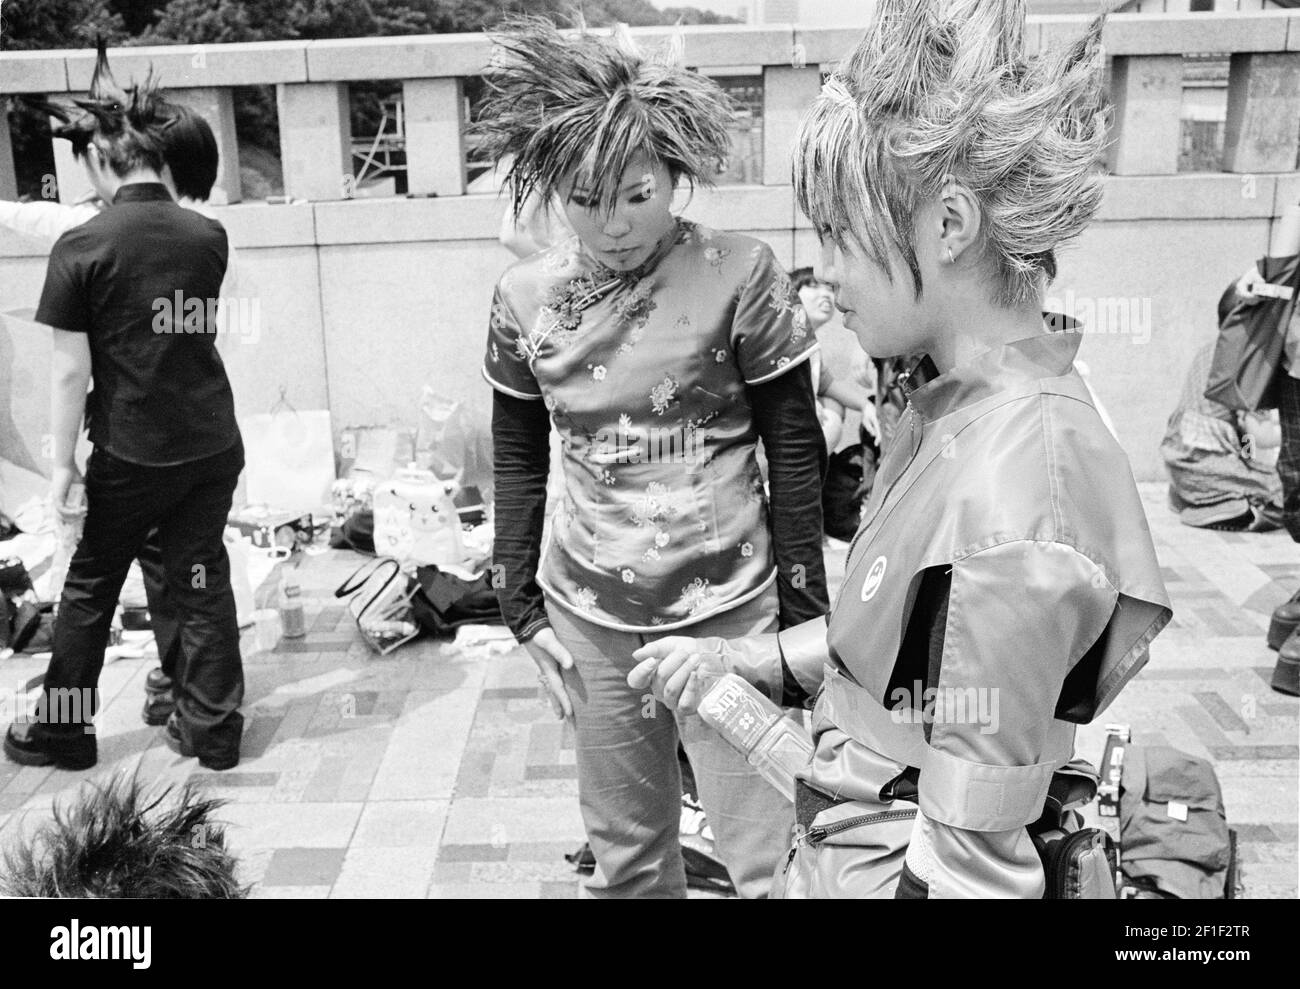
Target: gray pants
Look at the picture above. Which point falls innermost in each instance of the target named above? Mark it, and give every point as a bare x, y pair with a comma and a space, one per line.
628, 781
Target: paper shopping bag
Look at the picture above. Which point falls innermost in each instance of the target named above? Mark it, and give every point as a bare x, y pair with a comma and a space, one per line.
289, 458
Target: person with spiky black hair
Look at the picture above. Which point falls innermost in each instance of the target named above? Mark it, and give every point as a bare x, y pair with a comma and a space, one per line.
663, 351
131, 296
1003, 586
117, 840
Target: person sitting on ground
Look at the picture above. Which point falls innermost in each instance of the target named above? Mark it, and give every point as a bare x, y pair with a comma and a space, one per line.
1222, 463
119, 841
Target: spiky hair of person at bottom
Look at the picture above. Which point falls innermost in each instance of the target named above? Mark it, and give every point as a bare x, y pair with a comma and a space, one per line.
944, 87
115, 840
582, 104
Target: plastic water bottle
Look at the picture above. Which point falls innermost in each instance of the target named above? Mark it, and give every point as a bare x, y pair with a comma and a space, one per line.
293, 624
758, 730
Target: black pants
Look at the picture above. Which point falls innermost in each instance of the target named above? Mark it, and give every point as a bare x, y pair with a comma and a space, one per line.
162, 614
1288, 461
188, 504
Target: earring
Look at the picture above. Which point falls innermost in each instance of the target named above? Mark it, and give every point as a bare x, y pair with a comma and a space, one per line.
951, 259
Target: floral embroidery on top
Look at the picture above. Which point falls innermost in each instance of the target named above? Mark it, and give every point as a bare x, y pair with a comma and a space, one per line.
716, 256
720, 355
597, 371
558, 259
628, 574
780, 292
496, 354
655, 506
800, 325
663, 394
746, 550
695, 595
586, 599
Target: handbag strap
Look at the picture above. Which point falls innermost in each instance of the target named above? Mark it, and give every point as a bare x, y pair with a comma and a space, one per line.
362, 574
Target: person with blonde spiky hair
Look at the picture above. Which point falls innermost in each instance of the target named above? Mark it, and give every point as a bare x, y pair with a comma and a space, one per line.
662, 351
1003, 586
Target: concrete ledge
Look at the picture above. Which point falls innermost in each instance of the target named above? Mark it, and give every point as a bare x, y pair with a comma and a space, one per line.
1175, 34
386, 221
249, 64
34, 72
1187, 197
414, 57
264, 225
1293, 35
1286, 192
719, 45
825, 45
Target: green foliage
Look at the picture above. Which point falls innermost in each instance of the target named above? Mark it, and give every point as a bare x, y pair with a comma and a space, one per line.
42, 24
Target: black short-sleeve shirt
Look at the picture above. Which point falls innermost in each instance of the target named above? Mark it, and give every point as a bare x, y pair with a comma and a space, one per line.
143, 281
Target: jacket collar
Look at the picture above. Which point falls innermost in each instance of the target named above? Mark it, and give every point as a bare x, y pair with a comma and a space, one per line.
139, 192
1045, 355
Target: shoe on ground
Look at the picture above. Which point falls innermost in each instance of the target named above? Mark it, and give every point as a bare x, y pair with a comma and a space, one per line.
1286, 674
29, 748
175, 738
158, 701
1286, 619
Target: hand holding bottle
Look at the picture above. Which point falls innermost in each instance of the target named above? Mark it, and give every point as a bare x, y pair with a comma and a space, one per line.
679, 669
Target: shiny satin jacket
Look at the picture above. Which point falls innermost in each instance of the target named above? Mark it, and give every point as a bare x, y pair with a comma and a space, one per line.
1003, 473
664, 518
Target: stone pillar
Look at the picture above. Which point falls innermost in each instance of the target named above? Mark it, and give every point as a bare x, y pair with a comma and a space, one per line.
315, 140
434, 115
8, 176
787, 91
1263, 125
1147, 132
216, 106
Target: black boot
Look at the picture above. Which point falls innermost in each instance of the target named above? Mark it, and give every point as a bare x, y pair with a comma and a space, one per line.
1286, 619
1286, 674
158, 701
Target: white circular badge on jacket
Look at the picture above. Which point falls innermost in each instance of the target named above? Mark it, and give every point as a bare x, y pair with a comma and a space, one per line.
875, 576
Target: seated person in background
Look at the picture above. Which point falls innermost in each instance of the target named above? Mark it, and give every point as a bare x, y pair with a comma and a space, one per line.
834, 396
117, 841
1222, 463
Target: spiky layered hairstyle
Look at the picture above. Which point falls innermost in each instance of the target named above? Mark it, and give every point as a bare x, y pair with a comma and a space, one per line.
115, 840
944, 87
127, 125
582, 104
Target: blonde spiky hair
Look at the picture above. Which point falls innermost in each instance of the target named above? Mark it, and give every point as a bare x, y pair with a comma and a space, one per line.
943, 87
588, 104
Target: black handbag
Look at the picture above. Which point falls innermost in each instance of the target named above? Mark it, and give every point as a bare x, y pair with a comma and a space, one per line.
444, 602
1247, 366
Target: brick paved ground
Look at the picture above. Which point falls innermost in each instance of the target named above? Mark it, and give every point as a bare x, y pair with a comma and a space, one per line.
426, 774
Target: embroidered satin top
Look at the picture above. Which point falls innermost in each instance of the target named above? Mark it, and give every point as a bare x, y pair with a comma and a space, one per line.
663, 521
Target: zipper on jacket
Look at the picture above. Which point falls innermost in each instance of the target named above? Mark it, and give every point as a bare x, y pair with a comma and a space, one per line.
816, 835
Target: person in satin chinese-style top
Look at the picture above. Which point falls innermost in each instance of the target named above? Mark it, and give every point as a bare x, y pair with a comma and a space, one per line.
662, 351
